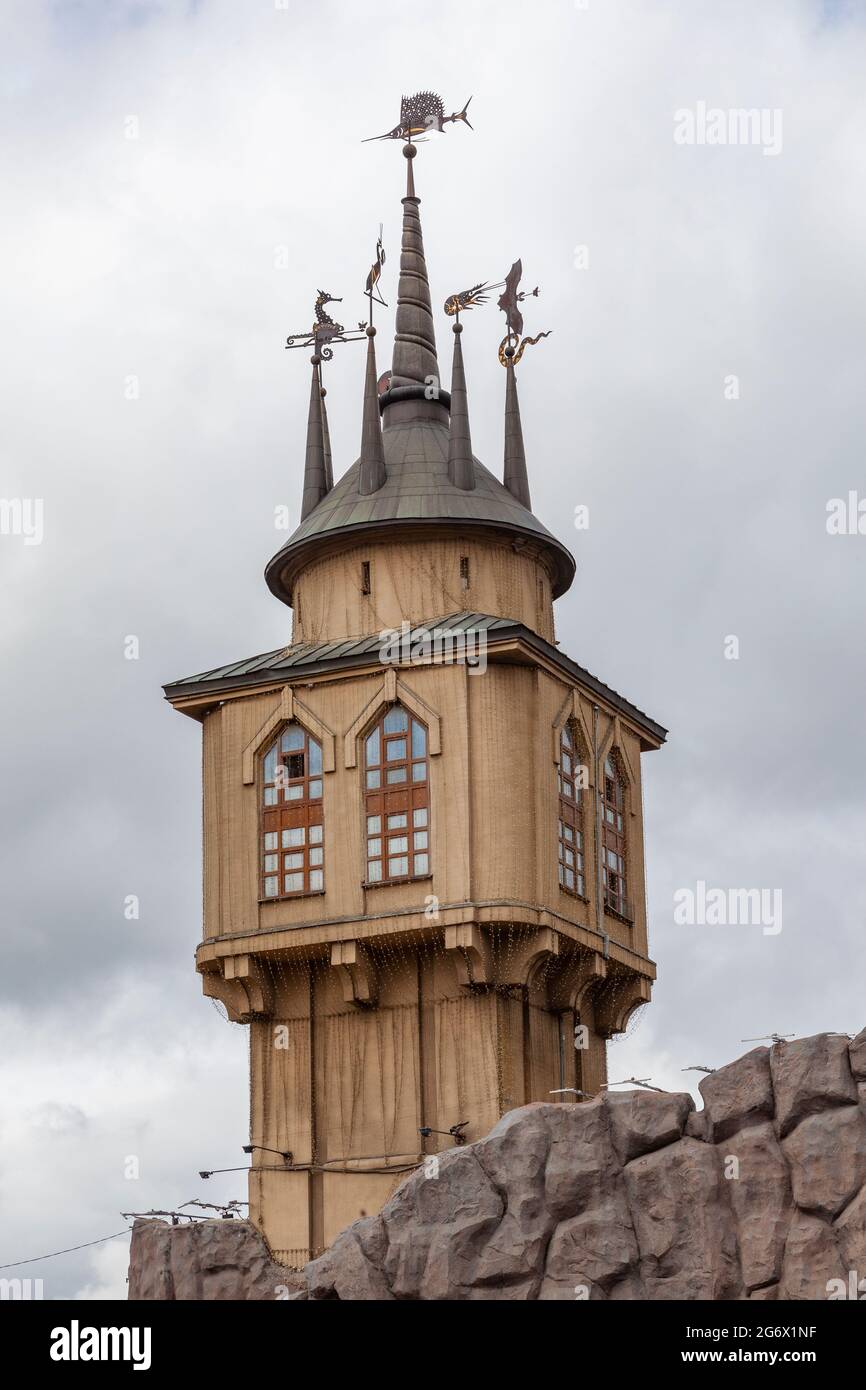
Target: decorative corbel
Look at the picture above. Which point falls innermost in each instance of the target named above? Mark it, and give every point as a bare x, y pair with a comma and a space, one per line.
357, 971
574, 979
519, 961
244, 985
473, 956
228, 992
617, 1001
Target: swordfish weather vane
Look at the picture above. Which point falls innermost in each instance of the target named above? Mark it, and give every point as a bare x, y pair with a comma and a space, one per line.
420, 114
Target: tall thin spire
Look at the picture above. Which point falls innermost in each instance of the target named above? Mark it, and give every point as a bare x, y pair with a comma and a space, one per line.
461, 465
326, 442
415, 358
515, 477
372, 471
315, 468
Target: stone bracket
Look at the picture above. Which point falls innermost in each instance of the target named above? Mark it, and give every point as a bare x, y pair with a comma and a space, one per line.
534, 949
473, 955
243, 984
579, 976
357, 971
617, 1001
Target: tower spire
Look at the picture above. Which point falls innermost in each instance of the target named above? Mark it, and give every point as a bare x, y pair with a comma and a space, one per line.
315, 465
515, 476
461, 465
326, 441
372, 472
415, 360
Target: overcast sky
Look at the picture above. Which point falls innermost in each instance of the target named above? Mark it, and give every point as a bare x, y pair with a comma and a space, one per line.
174, 264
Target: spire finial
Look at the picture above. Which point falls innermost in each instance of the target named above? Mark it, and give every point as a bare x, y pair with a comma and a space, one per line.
315, 468
372, 463
461, 465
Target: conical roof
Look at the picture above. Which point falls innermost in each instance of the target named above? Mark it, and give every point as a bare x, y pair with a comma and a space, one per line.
417, 493
418, 490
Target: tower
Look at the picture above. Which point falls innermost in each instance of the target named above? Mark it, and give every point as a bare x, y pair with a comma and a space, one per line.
423, 837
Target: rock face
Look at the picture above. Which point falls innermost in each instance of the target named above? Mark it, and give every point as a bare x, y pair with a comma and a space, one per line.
205, 1260
762, 1194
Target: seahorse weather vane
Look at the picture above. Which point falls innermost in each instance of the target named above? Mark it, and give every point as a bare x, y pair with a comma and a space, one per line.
325, 330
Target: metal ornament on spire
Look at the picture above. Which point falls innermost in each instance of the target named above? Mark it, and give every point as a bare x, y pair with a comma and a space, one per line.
511, 348
373, 293
455, 304
420, 114
325, 330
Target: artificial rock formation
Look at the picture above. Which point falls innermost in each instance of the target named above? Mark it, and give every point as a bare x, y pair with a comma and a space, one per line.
634, 1195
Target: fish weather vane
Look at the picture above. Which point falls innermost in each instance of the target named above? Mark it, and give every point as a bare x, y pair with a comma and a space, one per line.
325, 330
420, 114
509, 302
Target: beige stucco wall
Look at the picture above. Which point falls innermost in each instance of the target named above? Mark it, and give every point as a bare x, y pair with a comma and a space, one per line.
414, 582
493, 793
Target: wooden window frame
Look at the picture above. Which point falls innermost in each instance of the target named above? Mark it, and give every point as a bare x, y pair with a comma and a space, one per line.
613, 839
291, 818
406, 800
570, 810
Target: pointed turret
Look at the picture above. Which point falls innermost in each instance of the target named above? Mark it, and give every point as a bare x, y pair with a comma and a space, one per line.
515, 476
326, 444
371, 474
315, 467
461, 465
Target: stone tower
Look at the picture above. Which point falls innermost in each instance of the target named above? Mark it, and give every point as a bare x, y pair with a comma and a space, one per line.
423, 838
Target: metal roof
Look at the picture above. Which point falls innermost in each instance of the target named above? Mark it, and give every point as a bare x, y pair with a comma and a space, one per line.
307, 659
417, 490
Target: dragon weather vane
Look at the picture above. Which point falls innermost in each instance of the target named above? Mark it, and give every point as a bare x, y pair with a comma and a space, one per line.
512, 346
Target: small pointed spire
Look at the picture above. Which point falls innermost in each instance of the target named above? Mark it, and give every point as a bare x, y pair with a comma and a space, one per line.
515, 476
415, 338
315, 474
326, 443
461, 465
372, 473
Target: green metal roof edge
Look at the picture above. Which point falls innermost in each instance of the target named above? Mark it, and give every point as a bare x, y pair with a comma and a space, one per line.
350, 652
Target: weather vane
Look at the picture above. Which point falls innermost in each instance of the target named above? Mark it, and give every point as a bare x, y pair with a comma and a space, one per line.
509, 302
455, 304
420, 114
372, 291
325, 330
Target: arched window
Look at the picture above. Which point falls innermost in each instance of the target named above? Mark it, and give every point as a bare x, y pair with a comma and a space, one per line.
396, 798
292, 851
613, 839
571, 871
